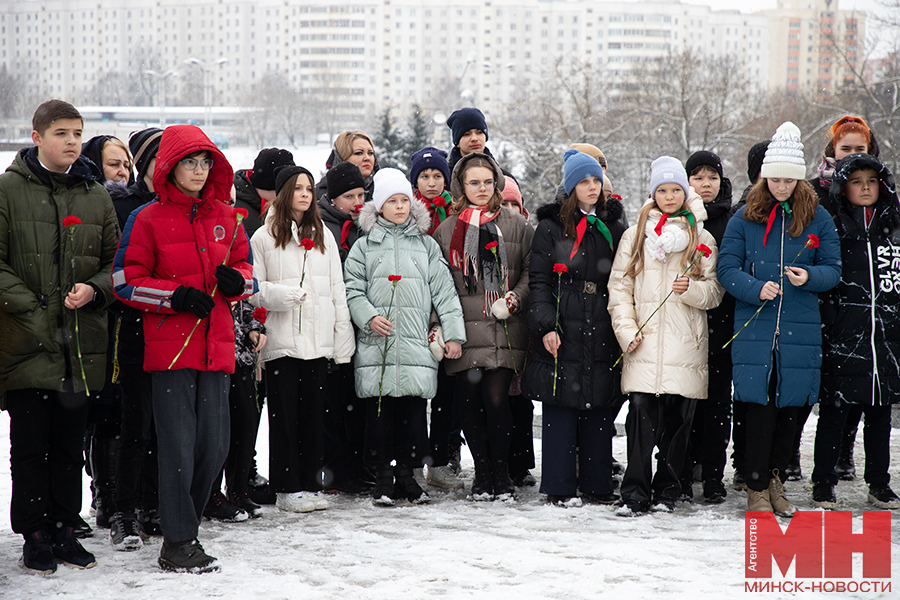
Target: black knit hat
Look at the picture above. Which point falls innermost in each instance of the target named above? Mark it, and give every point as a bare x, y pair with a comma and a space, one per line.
284, 172
263, 174
144, 145
464, 119
704, 158
342, 178
755, 159
428, 158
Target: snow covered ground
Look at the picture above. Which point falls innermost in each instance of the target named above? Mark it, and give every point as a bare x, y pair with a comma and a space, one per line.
451, 548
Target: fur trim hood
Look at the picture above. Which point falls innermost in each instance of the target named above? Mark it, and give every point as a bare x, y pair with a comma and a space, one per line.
420, 219
610, 213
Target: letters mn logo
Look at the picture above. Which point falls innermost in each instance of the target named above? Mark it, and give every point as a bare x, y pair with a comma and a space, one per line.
822, 543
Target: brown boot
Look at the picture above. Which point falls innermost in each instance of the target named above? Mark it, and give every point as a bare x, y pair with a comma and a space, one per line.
781, 506
758, 501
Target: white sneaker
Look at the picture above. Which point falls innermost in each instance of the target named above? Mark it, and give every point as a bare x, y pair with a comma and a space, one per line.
294, 502
443, 477
419, 476
318, 499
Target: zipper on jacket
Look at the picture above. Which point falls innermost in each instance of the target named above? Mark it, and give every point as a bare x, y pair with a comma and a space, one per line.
194, 210
780, 296
875, 378
397, 329
662, 325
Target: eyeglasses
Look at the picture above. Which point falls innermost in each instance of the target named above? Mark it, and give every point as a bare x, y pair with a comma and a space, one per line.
475, 185
191, 163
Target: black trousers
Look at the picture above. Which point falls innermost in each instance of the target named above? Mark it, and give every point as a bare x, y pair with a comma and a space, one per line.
398, 433
664, 422
712, 421
46, 435
296, 400
576, 450
833, 416
521, 440
484, 412
345, 425
137, 468
244, 410
444, 434
770, 439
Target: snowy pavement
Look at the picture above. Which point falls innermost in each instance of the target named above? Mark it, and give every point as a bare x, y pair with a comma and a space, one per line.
451, 548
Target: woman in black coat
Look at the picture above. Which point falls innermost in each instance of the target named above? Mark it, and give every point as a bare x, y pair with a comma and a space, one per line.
581, 233
861, 327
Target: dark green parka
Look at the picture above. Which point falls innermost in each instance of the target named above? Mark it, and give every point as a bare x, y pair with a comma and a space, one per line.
37, 332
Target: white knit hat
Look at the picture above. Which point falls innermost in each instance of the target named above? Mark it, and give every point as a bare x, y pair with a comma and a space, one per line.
388, 182
784, 156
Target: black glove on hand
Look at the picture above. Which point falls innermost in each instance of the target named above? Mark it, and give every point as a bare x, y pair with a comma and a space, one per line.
231, 282
190, 299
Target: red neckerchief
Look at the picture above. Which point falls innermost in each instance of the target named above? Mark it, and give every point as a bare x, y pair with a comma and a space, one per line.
581, 228
345, 233
662, 221
785, 208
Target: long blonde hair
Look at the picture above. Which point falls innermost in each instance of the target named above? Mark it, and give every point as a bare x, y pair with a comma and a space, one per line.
636, 262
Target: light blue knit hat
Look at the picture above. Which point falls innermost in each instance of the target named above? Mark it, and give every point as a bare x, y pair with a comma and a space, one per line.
668, 169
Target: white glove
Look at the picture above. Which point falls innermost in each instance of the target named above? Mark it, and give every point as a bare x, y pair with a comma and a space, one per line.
503, 307
296, 296
500, 310
436, 342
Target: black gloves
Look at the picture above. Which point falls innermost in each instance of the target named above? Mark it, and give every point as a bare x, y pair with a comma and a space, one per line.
231, 282
190, 299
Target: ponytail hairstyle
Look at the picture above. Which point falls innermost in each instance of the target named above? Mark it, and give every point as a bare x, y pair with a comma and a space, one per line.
636, 262
803, 204
310, 225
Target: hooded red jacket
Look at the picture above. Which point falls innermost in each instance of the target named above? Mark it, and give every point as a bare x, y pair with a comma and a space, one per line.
177, 241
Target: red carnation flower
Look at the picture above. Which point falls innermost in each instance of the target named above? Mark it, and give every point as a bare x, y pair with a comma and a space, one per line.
560, 268
439, 201
393, 278
358, 207
71, 221
615, 197
812, 242
242, 212
260, 314
704, 250
491, 245
308, 244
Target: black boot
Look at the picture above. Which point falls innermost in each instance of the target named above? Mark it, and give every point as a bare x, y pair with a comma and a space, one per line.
844, 468
103, 472
793, 470
483, 486
503, 485
384, 492
407, 486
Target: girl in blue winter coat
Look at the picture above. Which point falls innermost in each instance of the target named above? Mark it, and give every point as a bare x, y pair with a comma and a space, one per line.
779, 251
394, 276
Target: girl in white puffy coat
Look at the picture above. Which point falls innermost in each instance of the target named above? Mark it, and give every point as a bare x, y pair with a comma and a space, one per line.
665, 366
301, 285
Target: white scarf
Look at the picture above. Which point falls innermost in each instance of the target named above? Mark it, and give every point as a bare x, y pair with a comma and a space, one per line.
673, 239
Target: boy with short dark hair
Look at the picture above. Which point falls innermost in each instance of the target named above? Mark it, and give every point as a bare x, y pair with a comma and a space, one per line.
54, 286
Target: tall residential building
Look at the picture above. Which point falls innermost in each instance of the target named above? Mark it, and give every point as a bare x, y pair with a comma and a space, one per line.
815, 46
359, 56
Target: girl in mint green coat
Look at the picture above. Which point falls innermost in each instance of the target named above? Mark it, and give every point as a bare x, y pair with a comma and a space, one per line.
395, 276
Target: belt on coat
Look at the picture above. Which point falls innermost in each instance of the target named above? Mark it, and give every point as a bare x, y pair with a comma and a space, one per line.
585, 287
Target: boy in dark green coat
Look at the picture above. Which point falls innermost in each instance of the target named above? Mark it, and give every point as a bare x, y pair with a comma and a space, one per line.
58, 237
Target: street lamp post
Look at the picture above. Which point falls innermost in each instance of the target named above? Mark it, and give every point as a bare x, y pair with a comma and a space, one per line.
162, 77
207, 83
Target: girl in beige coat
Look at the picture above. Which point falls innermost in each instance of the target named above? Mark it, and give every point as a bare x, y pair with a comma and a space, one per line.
664, 367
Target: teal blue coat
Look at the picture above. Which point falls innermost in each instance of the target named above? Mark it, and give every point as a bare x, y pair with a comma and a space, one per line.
406, 250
